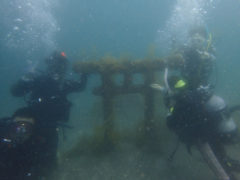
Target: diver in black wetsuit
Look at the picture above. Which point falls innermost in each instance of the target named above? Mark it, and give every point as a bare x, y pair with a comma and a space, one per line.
29, 138
196, 115
199, 117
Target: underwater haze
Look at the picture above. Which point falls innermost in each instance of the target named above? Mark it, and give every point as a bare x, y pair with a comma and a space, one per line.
88, 30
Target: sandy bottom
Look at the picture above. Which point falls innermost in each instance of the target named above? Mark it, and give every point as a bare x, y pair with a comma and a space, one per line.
132, 163
129, 162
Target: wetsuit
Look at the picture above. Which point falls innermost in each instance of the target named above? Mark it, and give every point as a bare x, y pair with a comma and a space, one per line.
47, 104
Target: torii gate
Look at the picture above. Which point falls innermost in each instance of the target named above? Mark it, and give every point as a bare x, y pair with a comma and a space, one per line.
108, 67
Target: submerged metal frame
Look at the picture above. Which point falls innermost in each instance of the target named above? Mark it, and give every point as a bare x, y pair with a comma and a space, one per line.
107, 68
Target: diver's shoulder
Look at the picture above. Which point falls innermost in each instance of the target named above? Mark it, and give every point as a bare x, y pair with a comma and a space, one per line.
31, 76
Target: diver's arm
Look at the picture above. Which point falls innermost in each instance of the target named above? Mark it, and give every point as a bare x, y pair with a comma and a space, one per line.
21, 88
25, 84
158, 87
74, 86
166, 97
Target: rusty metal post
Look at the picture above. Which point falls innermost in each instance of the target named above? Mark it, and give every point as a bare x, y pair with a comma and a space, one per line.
149, 107
108, 111
127, 80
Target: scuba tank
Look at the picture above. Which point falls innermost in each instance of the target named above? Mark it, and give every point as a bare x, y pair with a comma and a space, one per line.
226, 126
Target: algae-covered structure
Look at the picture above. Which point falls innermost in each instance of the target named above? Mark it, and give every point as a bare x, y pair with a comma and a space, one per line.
107, 68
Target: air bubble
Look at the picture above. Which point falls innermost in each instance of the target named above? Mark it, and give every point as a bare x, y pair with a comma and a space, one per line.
15, 28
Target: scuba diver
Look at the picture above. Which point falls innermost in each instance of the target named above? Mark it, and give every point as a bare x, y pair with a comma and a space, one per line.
29, 139
196, 114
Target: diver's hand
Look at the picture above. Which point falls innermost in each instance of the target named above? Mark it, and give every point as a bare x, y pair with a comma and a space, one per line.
157, 87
